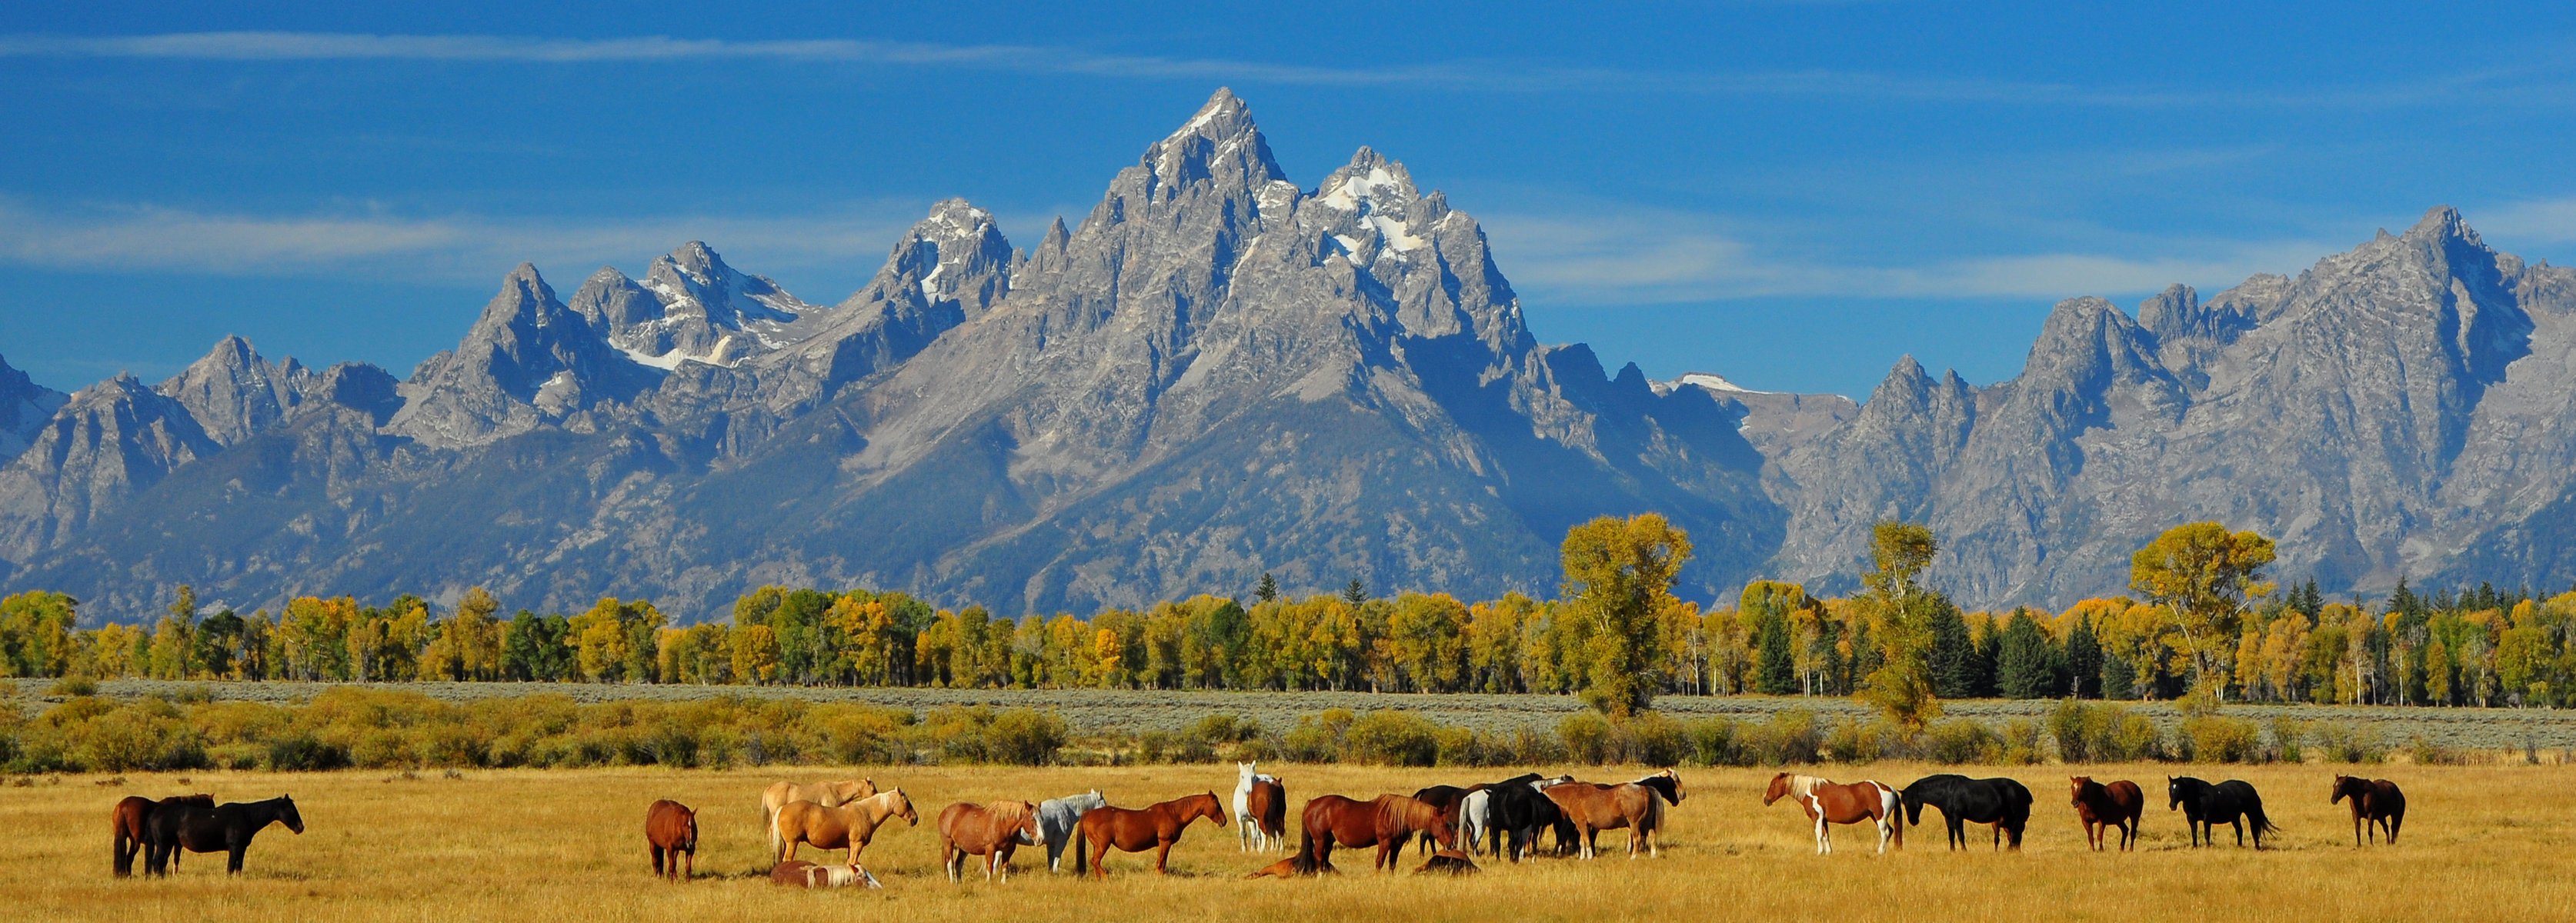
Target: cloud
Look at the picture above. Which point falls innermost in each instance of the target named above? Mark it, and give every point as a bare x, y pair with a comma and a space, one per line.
1617, 257
2535, 220
2505, 84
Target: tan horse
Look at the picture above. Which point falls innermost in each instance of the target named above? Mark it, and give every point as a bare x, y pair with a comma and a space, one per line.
1635, 806
828, 794
849, 826
988, 830
1827, 802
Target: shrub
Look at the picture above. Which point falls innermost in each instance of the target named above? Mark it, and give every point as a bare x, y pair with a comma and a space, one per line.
72, 687
301, 751
1460, 746
1960, 740
2287, 735
1587, 737
2217, 739
1530, 745
2072, 724
1393, 738
144, 735
1655, 739
1713, 742
1789, 737
1855, 740
2345, 742
1311, 741
2427, 753
1026, 737
2021, 742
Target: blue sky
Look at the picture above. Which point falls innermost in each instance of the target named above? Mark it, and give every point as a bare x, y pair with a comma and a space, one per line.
1790, 194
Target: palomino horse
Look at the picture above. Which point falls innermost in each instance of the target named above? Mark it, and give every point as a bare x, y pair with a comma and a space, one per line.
671, 831
1386, 822
1962, 800
1637, 806
1056, 820
849, 826
992, 831
1261, 803
2205, 806
226, 828
126, 822
1156, 827
828, 794
2103, 808
2376, 803
803, 874
1828, 802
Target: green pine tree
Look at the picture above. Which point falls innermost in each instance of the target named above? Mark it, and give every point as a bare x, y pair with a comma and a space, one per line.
2025, 663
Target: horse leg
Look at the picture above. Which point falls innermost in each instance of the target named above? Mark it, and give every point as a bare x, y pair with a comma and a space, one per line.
656, 850
693, 865
2239, 824
1100, 852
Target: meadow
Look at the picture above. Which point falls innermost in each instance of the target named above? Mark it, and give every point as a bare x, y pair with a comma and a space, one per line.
2481, 842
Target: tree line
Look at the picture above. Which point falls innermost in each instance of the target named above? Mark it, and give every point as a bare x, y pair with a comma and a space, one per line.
2202, 620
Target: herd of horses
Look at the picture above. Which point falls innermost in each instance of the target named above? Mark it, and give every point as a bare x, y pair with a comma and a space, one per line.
1504, 819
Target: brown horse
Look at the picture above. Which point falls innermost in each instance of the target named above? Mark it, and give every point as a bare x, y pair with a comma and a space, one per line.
1386, 822
1637, 806
671, 831
1827, 802
1265, 811
989, 830
828, 794
1448, 862
126, 822
1296, 866
849, 826
1136, 830
2103, 808
2376, 803
803, 874
226, 828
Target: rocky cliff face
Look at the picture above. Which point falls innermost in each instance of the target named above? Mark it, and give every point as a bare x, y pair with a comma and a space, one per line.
1219, 373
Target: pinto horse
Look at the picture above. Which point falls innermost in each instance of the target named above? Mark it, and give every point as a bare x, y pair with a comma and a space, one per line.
2205, 806
2104, 808
226, 828
1827, 802
1056, 820
671, 831
1266, 813
1250, 784
1636, 806
2376, 803
1386, 822
803, 874
828, 794
126, 822
1156, 827
848, 826
1962, 800
989, 830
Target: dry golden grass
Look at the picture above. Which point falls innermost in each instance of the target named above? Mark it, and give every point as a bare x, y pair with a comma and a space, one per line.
2481, 843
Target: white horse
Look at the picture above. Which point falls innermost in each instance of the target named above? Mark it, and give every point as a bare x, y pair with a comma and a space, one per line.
1248, 835
1475, 816
1056, 819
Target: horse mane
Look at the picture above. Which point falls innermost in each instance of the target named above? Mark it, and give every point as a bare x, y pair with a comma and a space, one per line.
1663, 784
1804, 785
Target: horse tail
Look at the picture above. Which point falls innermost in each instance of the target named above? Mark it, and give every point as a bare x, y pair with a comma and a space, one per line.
2263, 825
1894, 806
777, 844
1081, 865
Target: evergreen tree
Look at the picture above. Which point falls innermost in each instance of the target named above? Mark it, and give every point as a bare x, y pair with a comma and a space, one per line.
2025, 663
1774, 669
1268, 591
1356, 593
2084, 661
1953, 654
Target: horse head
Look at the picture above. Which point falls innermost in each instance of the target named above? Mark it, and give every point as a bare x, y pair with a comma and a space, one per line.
903, 809
1244, 773
1215, 809
2079, 783
1024, 821
2177, 789
2343, 785
286, 814
1779, 789
1912, 801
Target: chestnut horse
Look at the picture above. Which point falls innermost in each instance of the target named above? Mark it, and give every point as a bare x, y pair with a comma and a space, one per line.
1265, 813
828, 794
805, 874
989, 830
1827, 802
225, 827
2103, 808
1637, 806
1156, 828
849, 826
1386, 822
126, 820
671, 831
2376, 803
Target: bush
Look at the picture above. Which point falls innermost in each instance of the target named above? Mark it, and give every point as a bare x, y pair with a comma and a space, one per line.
2427, 753
2072, 724
1026, 737
1960, 740
2345, 742
1713, 742
1316, 738
1655, 739
2021, 742
2216, 739
1393, 738
1789, 737
303, 752
1855, 740
73, 687
1587, 737
2287, 735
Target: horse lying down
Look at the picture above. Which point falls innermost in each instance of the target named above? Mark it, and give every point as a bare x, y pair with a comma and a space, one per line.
1300, 865
803, 874
1448, 862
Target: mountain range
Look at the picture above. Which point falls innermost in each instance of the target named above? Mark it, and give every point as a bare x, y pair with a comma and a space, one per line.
1220, 373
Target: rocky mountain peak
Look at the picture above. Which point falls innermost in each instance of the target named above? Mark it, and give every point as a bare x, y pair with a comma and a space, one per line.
234, 393
527, 360
24, 407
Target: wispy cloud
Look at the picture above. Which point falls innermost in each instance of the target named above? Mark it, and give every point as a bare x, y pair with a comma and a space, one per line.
1474, 75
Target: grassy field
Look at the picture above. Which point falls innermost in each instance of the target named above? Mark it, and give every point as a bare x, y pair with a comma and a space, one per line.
1132, 711
2481, 843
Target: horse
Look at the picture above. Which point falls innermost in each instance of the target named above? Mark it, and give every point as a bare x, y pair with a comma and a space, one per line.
1299, 865
126, 821
1386, 822
803, 874
1827, 802
2001, 802
989, 830
1156, 827
2103, 808
828, 794
1449, 799
2205, 806
2376, 803
1266, 813
1056, 820
227, 827
1475, 817
671, 831
1637, 806
1246, 836
848, 826
1516, 810
1448, 862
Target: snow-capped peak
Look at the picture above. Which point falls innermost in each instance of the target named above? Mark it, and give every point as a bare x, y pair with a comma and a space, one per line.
1710, 381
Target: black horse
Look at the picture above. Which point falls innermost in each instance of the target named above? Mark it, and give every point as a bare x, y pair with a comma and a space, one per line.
2001, 802
1446, 798
225, 828
1518, 812
2205, 806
